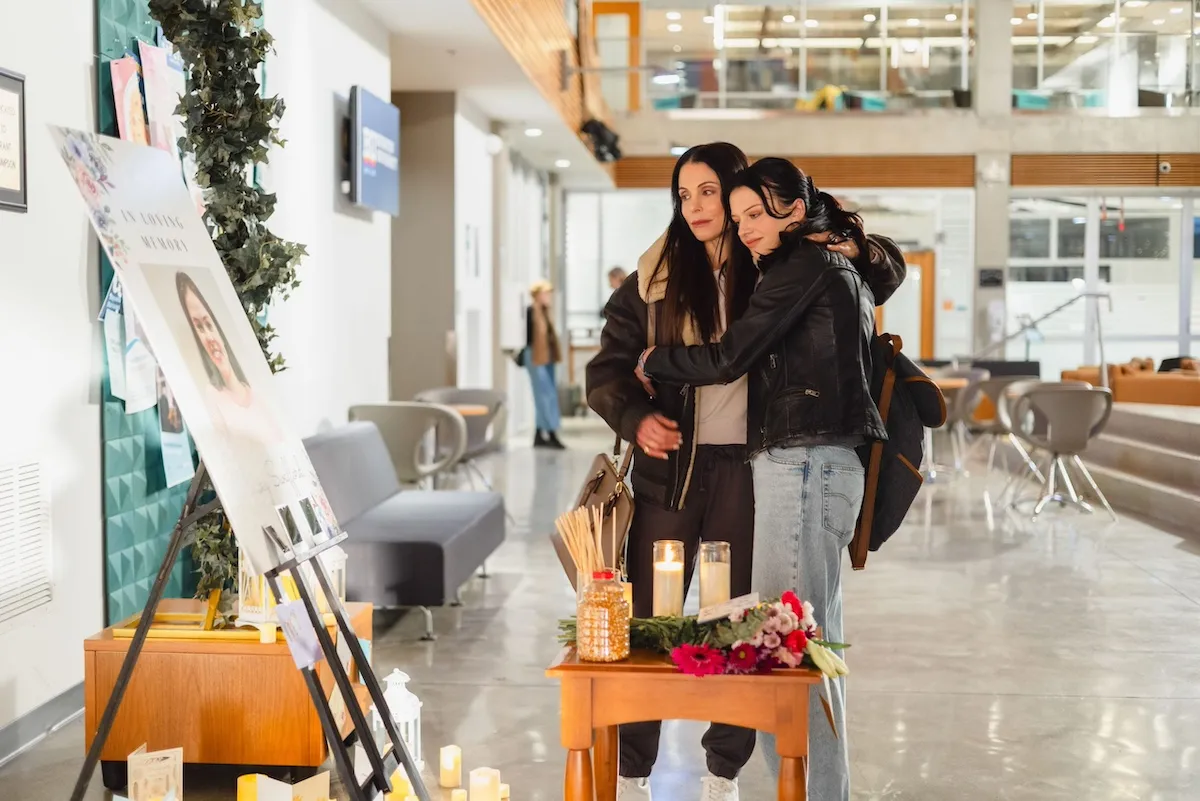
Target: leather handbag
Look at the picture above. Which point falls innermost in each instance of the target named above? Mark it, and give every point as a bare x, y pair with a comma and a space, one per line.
605, 487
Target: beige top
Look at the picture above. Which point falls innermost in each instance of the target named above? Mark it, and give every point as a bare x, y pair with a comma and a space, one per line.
722, 407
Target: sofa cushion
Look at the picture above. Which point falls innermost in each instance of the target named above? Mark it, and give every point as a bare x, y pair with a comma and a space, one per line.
418, 548
355, 469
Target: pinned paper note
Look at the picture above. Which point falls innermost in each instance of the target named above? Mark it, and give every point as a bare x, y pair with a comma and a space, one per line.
299, 633
718, 611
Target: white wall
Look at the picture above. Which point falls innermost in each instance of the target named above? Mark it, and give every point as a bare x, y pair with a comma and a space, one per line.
49, 411
473, 254
334, 329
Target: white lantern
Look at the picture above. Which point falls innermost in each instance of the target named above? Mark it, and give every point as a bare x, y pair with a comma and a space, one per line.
406, 714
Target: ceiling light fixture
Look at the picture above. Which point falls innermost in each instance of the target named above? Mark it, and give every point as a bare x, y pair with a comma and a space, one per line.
562, 164
913, 22
868, 17
1086, 39
709, 19
533, 133
789, 18
1031, 15
1017, 20
666, 79
1107, 22
674, 15
677, 48
811, 23
678, 150
1177, 10
951, 17
1159, 21
1136, 4
674, 27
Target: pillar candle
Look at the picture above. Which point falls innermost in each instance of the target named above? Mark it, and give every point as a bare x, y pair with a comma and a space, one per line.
714, 583
627, 588
668, 589
451, 762
458, 795
504, 792
485, 784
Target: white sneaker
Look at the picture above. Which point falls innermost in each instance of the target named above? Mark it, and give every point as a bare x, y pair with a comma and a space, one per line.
634, 789
714, 788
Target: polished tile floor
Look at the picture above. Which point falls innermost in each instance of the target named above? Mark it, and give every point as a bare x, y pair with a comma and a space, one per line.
993, 660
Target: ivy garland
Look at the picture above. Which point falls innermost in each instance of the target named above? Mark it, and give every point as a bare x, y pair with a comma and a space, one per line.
229, 127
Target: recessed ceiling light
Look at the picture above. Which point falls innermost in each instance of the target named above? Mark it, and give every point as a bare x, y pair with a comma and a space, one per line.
1136, 4
1017, 20
1031, 15
674, 15
1086, 39
709, 19
678, 150
811, 23
1159, 21
666, 79
951, 17
913, 22
868, 17
789, 18
562, 164
678, 48
674, 27
533, 133
1177, 10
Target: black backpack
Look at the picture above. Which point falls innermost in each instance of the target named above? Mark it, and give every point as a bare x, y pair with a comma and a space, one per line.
909, 402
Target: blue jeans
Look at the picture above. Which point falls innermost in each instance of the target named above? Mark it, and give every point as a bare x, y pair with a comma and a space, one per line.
806, 502
545, 395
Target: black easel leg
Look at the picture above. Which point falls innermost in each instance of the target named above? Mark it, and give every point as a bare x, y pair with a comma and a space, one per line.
190, 515
332, 735
367, 674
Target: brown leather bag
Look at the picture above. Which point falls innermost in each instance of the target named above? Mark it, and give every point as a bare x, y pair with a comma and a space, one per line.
605, 488
605, 485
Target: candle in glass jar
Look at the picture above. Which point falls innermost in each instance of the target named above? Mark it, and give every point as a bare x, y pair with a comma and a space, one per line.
668, 578
451, 767
714, 573
485, 784
458, 795
627, 588
504, 792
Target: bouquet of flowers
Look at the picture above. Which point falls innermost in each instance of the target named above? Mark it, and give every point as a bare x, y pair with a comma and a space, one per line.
772, 635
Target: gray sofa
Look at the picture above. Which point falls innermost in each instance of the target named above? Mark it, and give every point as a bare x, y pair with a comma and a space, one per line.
405, 547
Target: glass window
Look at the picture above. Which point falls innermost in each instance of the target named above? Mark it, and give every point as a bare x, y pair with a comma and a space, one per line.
1139, 238
1028, 239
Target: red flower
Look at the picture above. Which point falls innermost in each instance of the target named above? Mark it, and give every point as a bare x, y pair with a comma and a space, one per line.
699, 660
796, 641
792, 602
743, 658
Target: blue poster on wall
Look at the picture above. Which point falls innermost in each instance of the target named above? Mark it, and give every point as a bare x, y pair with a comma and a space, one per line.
374, 152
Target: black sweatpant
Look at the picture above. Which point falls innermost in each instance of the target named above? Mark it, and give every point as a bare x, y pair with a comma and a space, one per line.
719, 506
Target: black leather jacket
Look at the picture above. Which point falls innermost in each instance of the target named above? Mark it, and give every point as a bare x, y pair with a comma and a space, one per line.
616, 395
805, 342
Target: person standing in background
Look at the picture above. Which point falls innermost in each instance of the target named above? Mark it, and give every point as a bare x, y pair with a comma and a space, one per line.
616, 277
542, 353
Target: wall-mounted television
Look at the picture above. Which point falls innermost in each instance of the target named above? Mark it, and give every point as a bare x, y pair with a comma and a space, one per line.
374, 152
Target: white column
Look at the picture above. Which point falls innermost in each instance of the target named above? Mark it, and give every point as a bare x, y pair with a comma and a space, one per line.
992, 93
965, 67
1091, 279
1187, 217
883, 46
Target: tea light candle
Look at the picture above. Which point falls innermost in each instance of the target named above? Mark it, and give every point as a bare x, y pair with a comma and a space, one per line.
451, 764
504, 792
458, 795
401, 786
485, 784
627, 588
668, 578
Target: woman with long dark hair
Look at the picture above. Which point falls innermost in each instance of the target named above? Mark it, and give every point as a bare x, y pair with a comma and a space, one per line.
691, 479
805, 343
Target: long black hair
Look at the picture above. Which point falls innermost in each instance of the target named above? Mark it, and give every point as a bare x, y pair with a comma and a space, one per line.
183, 285
690, 289
779, 184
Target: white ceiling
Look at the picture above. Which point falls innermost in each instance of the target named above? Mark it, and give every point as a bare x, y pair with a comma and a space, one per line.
444, 45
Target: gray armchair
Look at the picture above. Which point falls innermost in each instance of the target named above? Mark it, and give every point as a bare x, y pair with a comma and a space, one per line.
485, 433
406, 428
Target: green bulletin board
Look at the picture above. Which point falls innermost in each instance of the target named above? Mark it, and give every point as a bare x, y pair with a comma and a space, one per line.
139, 509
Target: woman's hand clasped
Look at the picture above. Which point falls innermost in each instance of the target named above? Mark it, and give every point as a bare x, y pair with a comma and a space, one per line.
657, 436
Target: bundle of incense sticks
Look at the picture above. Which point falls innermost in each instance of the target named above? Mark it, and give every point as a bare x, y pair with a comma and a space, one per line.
581, 532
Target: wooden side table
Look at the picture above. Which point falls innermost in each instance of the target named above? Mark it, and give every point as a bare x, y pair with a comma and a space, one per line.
226, 702
596, 698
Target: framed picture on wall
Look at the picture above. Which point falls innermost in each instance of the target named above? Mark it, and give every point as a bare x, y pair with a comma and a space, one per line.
14, 194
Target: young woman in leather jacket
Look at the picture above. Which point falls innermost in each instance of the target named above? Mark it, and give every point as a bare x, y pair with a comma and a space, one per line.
804, 342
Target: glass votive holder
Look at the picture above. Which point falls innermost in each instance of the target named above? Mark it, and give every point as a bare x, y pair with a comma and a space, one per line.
715, 567
668, 578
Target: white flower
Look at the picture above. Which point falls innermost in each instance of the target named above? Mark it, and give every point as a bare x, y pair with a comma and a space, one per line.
770, 625
737, 616
786, 657
810, 622
757, 640
787, 624
772, 640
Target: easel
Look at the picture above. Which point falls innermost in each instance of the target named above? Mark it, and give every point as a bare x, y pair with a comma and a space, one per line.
382, 764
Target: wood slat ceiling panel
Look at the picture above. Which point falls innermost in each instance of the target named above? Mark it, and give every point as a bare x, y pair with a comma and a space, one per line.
653, 172
1185, 169
1095, 169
